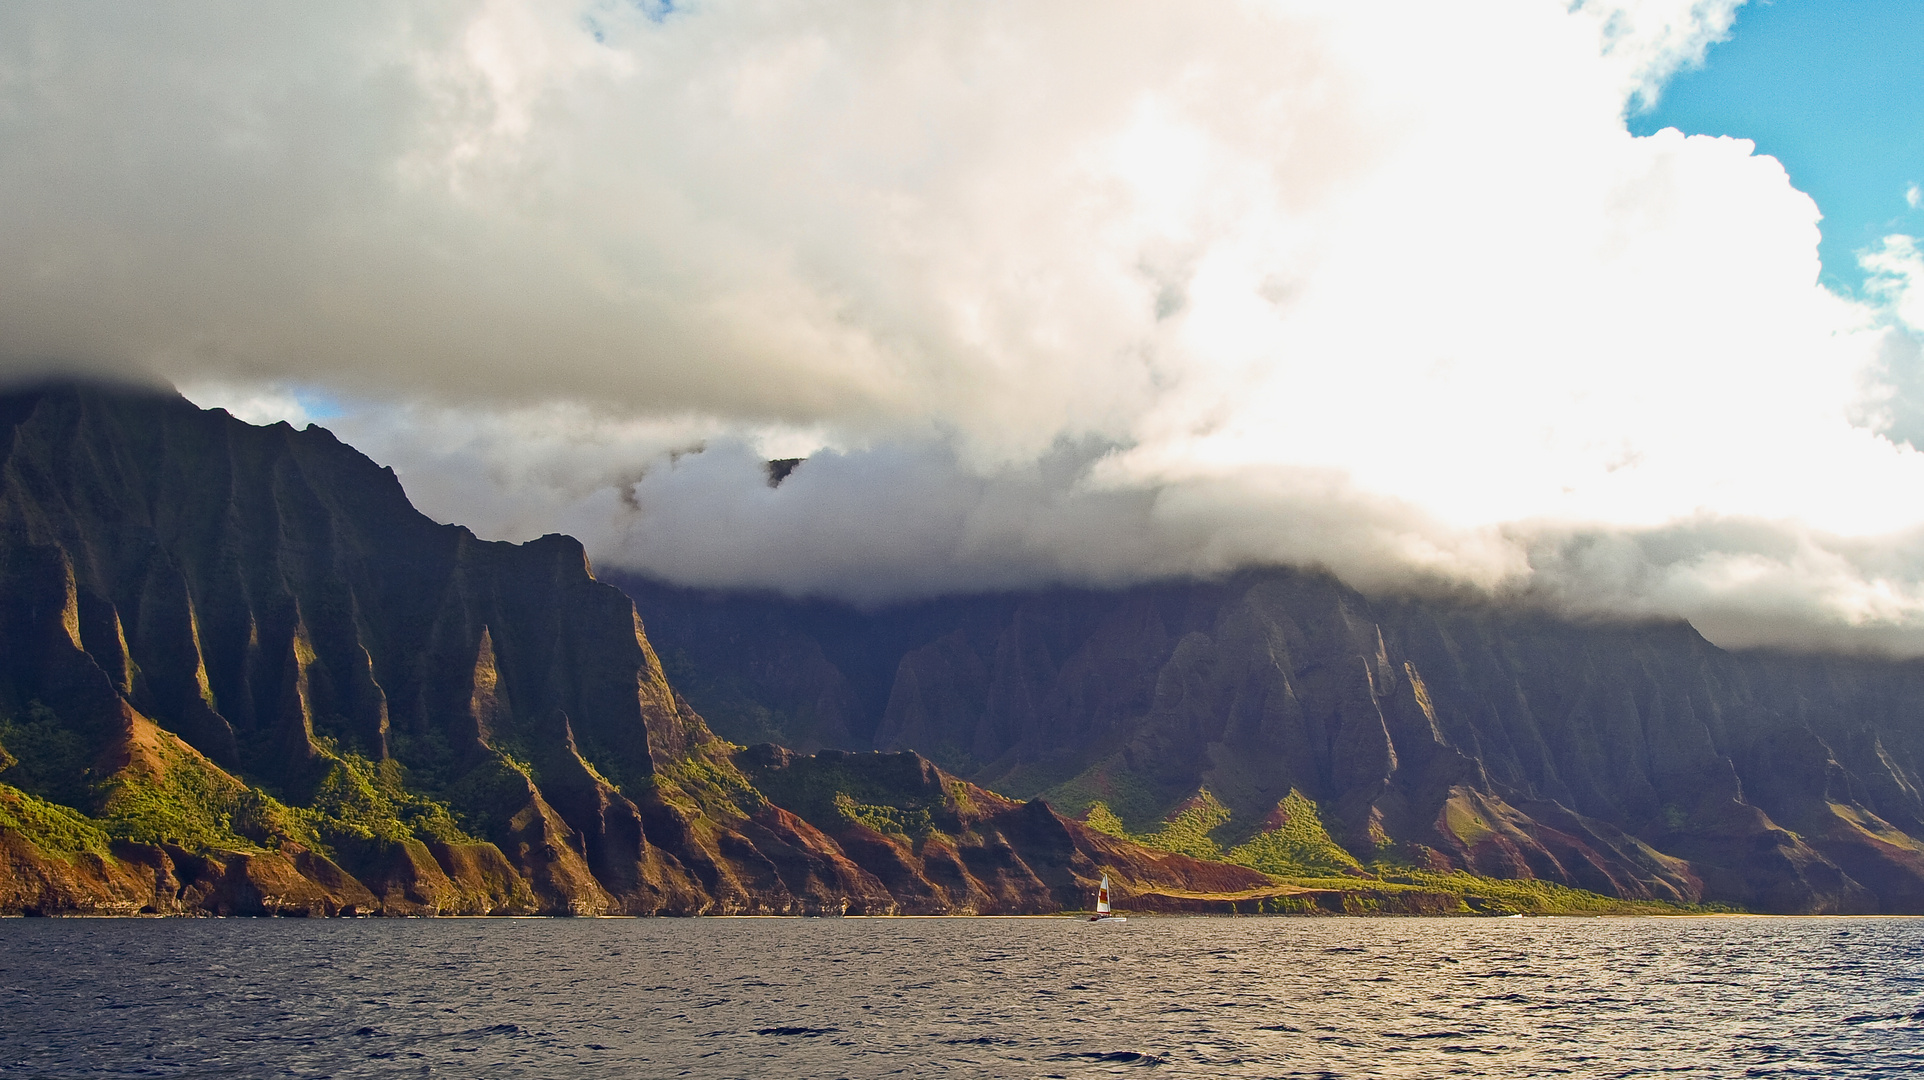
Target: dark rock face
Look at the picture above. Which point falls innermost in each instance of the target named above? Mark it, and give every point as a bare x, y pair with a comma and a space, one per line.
239, 673
1637, 761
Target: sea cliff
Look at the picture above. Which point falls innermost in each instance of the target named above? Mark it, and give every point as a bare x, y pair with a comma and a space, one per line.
240, 674
1284, 721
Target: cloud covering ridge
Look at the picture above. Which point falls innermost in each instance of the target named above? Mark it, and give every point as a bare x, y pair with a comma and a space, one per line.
1043, 291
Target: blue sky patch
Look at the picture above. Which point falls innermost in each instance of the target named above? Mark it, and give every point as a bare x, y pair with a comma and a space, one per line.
1835, 91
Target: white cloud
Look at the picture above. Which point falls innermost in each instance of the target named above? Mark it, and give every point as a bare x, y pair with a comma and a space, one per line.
1647, 41
1894, 272
1059, 291
1913, 196
257, 402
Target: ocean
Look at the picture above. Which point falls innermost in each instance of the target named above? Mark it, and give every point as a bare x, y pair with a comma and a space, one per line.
971, 997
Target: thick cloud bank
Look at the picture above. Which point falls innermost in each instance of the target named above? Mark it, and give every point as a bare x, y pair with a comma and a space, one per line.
1044, 291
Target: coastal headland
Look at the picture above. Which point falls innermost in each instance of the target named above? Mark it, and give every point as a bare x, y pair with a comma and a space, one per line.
241, 675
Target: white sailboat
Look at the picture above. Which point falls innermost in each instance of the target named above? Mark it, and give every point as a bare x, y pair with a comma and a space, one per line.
1103, 913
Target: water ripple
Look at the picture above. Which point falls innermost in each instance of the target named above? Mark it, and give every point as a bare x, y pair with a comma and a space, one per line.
1174, 997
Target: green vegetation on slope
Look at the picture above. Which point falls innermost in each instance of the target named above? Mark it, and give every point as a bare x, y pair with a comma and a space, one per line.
1119, 790
189, 802
1186, 832
360, 799
1299, 851
42, 756
179, 797
1299, 846
54, 829
490, 793
1528, 897
185, 800
1469, 894
706, 781
885, 819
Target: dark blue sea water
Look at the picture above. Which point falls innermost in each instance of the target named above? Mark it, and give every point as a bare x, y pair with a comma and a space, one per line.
1154, 997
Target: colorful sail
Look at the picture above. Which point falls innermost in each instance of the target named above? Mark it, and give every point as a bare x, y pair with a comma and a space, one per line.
1102, 896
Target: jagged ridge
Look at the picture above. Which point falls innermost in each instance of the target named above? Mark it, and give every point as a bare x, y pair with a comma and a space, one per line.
240, 673
1634, 760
